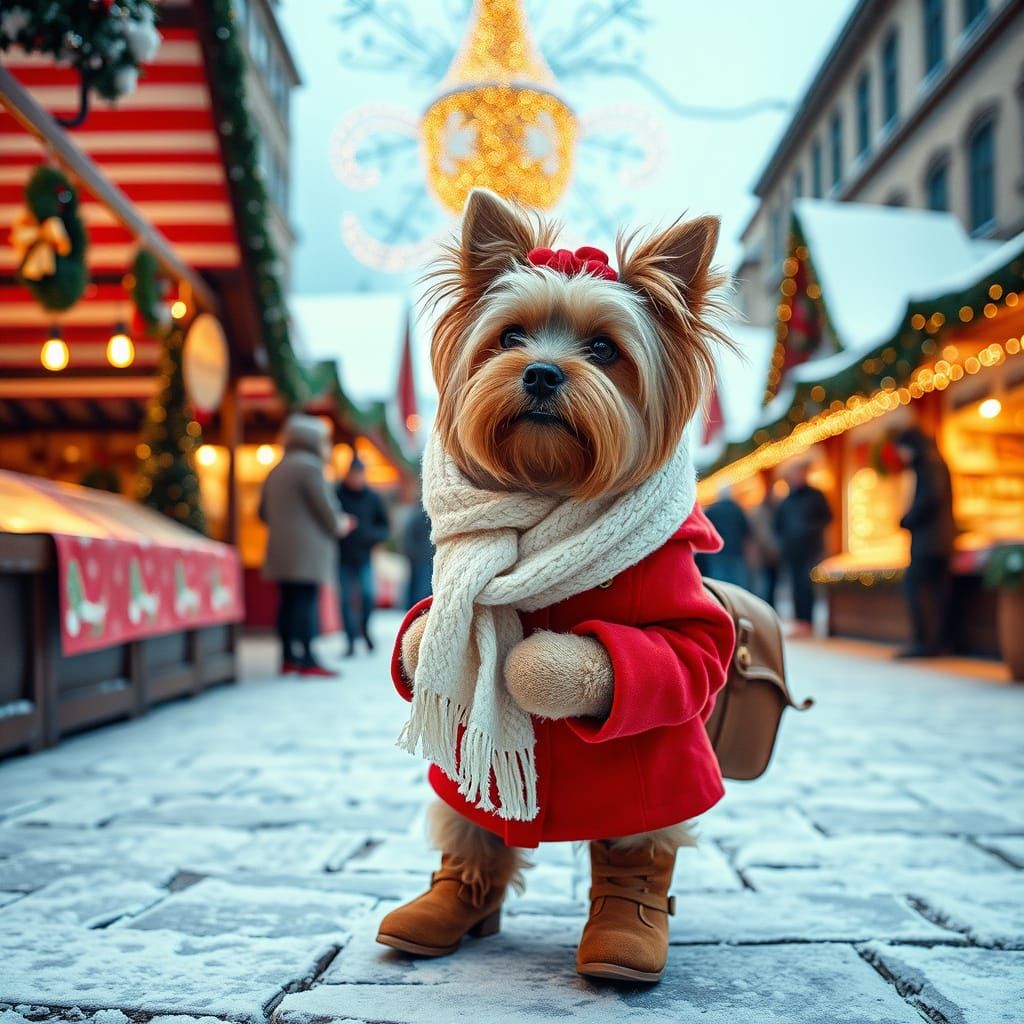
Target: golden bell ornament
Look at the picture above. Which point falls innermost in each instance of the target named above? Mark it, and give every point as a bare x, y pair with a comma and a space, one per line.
498, 121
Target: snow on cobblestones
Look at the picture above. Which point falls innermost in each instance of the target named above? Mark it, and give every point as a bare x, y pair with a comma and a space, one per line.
228, 858
152, 971
966, 986
91, 900
214, 907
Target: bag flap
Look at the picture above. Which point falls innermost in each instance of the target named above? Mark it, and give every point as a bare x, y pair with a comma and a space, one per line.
759, 652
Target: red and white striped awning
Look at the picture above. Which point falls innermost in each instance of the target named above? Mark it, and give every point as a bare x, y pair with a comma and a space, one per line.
160, 146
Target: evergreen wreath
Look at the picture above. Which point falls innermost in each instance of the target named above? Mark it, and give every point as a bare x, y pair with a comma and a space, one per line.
51, 241
148, 294
105, 41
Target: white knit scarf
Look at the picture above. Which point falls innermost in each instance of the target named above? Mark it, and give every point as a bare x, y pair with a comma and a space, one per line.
498, 553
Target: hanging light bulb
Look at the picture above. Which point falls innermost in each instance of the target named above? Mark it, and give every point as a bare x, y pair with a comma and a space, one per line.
178, 309
55, 355
120, 348
990, 408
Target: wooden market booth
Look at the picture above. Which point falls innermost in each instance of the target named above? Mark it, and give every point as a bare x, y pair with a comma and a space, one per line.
887, 318
171, 169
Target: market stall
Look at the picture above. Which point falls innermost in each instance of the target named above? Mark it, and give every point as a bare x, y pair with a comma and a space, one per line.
106, 608
889, 318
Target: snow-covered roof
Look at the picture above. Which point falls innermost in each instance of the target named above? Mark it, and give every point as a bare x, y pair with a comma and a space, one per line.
362, 333
742, 375
871, 260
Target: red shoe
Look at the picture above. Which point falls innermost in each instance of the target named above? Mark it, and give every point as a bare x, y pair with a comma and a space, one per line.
318, 670
290, 668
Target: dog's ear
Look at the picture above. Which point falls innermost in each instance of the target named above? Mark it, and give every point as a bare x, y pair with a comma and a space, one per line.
678, 258
495, 236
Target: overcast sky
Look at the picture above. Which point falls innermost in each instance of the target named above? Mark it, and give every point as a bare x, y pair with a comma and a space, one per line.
719, 54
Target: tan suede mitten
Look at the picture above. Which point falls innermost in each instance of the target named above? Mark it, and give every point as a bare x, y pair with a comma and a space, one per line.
411, 640
559, 675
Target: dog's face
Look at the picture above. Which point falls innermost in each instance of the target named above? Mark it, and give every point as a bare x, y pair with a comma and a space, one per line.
568, 385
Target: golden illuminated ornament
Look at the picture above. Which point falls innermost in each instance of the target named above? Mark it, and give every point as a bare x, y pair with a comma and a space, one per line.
498, 121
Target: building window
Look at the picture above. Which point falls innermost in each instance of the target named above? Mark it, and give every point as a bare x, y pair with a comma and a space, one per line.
816, 176
837, 149
974, 11
798, 184
981, 163
936, 186
934, 34
864, 113
891, 77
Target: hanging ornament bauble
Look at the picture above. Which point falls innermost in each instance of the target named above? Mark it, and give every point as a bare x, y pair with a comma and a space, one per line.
50, 241
498, 121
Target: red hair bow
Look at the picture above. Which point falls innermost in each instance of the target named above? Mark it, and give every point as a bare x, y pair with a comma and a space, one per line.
585, 260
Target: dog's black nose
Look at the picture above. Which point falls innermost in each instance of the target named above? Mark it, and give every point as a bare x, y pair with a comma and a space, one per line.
542, 380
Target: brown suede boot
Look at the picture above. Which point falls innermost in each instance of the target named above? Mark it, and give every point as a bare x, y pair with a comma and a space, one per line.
626, 935
463, 899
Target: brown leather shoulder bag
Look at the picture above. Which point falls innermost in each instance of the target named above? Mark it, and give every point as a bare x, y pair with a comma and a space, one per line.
746, 718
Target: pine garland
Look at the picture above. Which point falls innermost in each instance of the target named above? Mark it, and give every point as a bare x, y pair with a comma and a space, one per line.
241, 150
167, 478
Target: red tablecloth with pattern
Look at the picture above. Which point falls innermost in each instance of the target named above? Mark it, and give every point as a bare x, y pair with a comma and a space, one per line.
124, 571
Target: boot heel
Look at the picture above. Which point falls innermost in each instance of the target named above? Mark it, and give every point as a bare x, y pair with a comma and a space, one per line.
490, 925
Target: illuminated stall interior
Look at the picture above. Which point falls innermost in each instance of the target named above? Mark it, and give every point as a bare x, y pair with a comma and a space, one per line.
944, 354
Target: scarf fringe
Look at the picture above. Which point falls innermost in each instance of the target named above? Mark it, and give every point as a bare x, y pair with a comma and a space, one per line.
434, 716
513, 771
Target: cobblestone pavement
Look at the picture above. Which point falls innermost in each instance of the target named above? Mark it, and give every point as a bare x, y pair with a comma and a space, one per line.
227, 859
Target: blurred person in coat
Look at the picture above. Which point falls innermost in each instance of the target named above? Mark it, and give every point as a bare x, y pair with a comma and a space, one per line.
417, 548
765, 548
355, 570
304, 522
928, 581
800, 523
730, 563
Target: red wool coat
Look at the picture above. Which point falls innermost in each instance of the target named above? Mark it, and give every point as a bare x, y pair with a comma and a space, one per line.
649, 764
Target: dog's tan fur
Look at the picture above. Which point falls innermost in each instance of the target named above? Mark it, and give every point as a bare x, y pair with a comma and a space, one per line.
483, 855
622, 421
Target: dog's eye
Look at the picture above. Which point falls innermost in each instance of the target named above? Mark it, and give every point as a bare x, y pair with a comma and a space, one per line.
513, 337
603, 350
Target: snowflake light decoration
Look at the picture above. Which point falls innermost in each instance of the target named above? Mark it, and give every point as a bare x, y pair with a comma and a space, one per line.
498, 119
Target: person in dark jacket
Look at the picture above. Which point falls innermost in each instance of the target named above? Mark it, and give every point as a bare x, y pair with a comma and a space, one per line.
419, 551
355, 572
800, 523
928, 582
729, 564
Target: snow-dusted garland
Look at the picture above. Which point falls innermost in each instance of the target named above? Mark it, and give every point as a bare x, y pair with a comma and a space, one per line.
105, 41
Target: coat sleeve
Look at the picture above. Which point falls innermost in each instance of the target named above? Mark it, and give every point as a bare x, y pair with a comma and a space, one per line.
403, 685
321, 500
669, 666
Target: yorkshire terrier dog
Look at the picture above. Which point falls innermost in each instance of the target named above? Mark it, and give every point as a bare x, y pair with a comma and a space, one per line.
561, 674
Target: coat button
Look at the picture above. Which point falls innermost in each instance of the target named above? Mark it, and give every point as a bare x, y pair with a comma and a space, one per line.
607, 583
